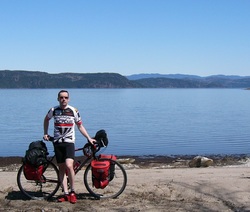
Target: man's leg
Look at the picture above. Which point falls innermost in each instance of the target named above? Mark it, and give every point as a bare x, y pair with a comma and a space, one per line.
62, 176
64, 183
71, 176
71, 173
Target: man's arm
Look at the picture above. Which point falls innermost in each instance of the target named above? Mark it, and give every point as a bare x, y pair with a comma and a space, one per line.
45, 128
85, 133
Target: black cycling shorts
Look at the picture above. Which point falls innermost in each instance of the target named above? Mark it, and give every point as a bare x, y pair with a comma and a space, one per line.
63, 151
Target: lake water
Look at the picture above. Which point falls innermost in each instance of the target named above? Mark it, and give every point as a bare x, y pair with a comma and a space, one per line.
138, 121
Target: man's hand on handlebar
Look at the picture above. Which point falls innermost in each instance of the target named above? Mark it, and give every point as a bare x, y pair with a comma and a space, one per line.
92, 141
46, 137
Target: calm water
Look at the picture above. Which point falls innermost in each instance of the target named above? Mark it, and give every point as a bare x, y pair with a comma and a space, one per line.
138, 121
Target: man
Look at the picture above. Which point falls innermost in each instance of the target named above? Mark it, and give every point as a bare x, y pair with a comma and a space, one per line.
65, 119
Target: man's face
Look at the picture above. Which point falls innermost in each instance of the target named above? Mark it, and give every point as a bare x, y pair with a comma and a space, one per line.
63, 99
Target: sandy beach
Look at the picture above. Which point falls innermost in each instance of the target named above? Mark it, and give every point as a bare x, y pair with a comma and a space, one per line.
158, 187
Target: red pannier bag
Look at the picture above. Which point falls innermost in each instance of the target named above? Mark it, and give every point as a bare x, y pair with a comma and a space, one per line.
100, 173
32, 172
112, 165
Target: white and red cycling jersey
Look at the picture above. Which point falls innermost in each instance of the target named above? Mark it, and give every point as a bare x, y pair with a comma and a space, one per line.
64, 123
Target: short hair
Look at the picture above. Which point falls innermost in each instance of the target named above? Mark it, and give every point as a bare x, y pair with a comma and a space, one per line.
63, 91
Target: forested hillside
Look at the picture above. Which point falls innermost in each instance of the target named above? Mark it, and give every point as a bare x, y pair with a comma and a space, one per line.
36, 79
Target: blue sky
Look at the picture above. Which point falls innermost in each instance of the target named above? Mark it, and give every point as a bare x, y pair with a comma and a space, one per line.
200, 37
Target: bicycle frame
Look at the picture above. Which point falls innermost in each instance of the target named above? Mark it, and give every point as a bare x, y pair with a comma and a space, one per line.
83, 163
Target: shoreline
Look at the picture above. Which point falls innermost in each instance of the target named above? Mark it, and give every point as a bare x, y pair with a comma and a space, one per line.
149, 161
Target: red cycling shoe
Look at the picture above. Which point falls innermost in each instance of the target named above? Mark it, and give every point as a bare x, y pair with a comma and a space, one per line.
64, 198
72, 197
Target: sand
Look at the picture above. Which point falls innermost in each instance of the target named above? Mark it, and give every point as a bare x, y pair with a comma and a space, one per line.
150, 188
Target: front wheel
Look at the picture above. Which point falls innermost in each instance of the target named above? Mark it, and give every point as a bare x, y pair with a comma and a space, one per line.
40, 189
114, 188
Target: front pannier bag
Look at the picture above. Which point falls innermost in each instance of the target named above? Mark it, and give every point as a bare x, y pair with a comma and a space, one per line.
112, 165
100, 173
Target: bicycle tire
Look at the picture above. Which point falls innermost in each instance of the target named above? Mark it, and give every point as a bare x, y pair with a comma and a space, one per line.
37, 189
115, 187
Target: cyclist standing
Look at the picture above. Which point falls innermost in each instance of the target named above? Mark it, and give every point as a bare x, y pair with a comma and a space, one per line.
65, 119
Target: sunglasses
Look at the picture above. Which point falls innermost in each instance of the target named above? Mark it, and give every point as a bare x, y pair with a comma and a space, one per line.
64, 97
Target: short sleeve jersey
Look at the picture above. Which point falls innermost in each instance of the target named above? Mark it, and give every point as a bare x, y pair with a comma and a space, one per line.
64, 123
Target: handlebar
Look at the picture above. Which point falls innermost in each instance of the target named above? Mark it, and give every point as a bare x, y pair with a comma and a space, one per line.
101, 140
51, 138
89, 149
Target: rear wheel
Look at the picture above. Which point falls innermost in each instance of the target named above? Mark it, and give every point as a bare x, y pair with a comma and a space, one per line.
40, 189
115, 187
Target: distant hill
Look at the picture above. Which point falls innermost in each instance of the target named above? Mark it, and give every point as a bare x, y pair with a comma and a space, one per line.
190, 81
171, 76
36, 79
